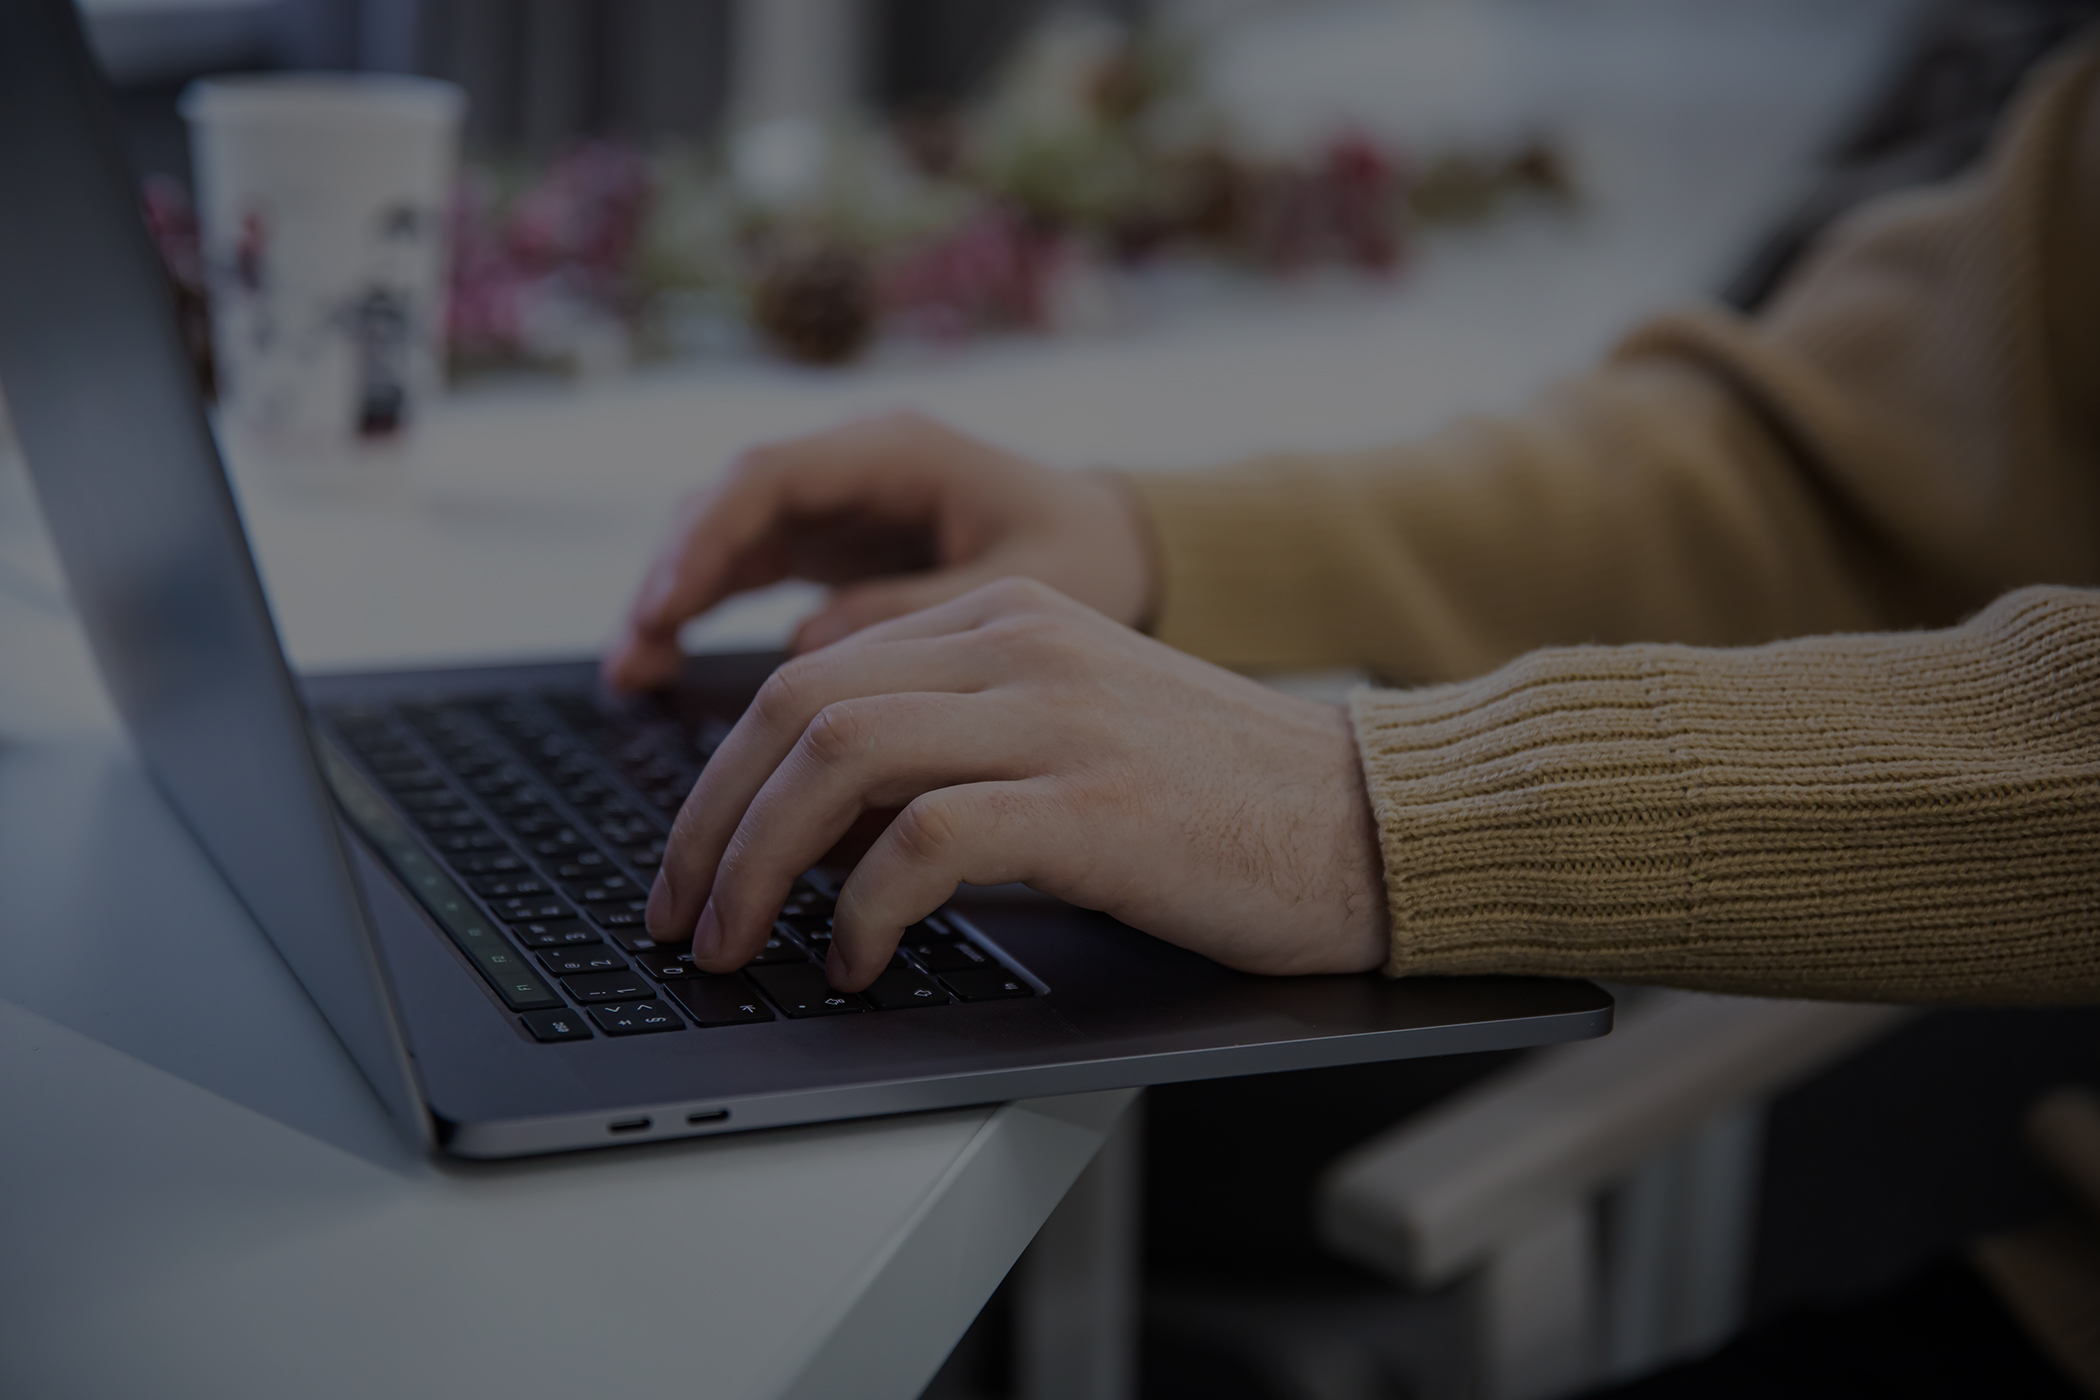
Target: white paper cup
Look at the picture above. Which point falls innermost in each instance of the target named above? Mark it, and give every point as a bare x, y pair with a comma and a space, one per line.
323, 201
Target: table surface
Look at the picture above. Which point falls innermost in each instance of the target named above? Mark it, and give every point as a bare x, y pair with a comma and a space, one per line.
202, 1198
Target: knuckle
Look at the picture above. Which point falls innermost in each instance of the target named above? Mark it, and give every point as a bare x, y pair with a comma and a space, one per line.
857, 610
1016, 593
1034, 638
904, 423
926, 831
751, 464
1035, 595
834, 733
781, 699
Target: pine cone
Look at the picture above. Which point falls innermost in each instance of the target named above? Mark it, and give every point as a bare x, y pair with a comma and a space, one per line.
816, 305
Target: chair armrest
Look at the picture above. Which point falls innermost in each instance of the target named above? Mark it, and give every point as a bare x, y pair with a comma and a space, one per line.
1426, 1201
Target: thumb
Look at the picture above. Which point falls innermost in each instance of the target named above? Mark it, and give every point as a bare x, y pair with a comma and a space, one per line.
865, 604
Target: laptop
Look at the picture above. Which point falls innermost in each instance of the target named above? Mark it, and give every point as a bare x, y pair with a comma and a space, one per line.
453, 862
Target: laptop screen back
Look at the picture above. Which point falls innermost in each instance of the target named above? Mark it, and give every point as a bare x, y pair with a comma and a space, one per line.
109, 418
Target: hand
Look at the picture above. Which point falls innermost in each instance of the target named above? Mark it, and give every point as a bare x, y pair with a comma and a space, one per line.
901, 513
1030, 739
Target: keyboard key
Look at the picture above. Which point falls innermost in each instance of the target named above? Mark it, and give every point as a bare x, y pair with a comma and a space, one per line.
532, 911
646, 858
511, 887
902, 987
720, 1001
614, 887
808, 920
636, 1018
592, 957
634, 940
446, 822
568, 934
987, 984
563, 843
623, 831
513, 808
625, 913
550, 1026
802, 991
501, 862
406, 780
666, 966
477, 765
470, 843
542, 823
948, 956
780, 948
399, 766
511, 976
581, 865
607, 986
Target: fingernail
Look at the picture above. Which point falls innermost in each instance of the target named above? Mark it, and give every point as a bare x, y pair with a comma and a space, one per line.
658, 913
707, 934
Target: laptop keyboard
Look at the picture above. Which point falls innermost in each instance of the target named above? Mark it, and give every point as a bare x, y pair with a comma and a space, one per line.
531, 827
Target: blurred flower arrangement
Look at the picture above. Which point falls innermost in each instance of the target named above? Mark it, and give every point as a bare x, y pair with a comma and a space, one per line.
1095, 159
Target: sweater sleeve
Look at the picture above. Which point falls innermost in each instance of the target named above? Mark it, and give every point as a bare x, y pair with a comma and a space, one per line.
1911, 430
1910, 817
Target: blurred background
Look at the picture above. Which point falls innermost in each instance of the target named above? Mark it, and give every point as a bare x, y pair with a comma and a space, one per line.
1150, 233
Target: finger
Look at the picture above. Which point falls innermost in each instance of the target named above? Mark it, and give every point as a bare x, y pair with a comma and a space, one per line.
991, 833
763, 736
857, 755
864, 604
692, 573
985, 604
878, 462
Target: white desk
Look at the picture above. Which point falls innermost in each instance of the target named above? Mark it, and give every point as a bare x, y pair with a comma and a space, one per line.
198, 1197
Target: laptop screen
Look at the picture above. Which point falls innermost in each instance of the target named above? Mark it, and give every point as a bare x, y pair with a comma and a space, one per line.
137, 502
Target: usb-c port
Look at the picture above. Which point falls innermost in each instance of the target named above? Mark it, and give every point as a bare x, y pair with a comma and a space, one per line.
712, 1115
629, 1125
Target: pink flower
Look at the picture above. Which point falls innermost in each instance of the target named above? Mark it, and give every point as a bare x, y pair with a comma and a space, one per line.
992, 271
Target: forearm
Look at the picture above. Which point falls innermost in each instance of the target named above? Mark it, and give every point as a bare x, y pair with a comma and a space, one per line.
1909, 432
1910, 817
1641, 502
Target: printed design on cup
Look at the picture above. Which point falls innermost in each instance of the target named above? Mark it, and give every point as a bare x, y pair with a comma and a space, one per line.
382, 318
321, 200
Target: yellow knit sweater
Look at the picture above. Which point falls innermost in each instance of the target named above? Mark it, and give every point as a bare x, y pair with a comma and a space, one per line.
1771, 776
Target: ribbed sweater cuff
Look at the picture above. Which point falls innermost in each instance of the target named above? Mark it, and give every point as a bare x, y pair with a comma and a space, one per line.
1912, 817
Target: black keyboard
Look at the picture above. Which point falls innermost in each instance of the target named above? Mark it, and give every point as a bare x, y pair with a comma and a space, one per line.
531, 826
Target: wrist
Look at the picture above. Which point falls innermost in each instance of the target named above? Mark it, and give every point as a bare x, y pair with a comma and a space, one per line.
1365, 926
1129, 555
